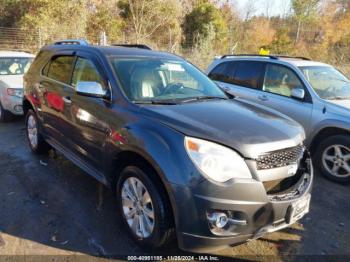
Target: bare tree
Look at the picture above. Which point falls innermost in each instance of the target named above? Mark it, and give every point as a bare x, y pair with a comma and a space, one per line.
250, 9
148, 16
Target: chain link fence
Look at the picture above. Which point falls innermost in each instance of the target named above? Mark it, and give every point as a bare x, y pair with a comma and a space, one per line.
19, 39
31, 40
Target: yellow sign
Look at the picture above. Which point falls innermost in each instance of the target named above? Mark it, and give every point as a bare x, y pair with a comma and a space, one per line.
264, 51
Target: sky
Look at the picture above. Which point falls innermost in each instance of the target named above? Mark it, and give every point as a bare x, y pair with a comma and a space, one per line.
263, 7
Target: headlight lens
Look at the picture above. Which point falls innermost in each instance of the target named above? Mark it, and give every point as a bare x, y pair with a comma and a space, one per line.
15, 92
215, 161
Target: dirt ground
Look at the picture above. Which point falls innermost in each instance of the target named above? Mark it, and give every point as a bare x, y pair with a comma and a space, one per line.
50, 207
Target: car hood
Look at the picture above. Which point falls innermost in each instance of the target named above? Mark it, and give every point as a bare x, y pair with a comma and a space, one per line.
342, 103
12, 81
249, 128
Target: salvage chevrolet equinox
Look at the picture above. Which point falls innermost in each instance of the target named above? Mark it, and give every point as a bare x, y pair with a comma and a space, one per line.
185, 159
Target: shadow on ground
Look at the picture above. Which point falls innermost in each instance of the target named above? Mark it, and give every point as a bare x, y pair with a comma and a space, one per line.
51, 203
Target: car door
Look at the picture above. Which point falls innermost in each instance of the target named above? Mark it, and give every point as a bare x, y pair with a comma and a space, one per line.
278, 83
55, 92
242, 78
88, 115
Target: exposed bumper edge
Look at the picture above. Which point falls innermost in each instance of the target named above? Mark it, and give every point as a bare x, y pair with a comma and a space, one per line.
200, 244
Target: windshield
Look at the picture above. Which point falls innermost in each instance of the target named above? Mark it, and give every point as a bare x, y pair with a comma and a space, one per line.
159, 80
14, 65
327, 81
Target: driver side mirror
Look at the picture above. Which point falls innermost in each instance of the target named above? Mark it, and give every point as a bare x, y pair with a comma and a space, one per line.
298, 93
91, 89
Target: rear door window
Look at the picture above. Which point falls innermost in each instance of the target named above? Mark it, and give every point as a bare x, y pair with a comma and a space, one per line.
60, 68
249, 74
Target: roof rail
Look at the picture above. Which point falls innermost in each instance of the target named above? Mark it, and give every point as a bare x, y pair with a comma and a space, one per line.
133, 46
72, 42
275, 57
297, 57
234, 55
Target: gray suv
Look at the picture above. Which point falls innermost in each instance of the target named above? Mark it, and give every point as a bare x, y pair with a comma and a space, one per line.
160, 134
314, 94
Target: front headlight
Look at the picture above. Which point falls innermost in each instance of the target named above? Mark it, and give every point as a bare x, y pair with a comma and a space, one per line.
15, 92
215, 161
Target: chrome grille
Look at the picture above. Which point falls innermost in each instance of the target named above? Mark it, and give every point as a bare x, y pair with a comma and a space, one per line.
280, 158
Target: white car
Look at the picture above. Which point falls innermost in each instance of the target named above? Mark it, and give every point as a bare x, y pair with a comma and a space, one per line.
13, 65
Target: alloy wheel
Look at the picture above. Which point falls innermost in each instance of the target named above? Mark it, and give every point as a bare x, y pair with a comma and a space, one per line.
336, 160
32, 130
138, 207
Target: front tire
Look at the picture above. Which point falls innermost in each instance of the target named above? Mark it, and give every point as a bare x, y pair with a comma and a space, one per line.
36, 142
143, 208
333, 158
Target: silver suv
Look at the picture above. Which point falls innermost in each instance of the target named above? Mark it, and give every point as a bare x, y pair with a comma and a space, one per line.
314, 94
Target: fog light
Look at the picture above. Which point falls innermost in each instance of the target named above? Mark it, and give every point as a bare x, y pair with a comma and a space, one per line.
18, 108
218, 219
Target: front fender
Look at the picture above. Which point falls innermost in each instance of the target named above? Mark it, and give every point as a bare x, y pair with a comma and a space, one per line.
328, 123
163, 147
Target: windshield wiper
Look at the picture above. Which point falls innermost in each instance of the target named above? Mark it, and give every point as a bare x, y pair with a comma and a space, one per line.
200, 98
155, 102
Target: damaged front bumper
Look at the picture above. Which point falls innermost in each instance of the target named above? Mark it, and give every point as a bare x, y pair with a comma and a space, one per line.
250, 208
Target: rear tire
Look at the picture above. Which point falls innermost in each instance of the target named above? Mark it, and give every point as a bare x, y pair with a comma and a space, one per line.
146, 196
332, 158
4, 114
36, 142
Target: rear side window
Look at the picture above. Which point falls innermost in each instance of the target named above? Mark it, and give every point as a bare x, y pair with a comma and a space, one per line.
224, 72
248, 74
219, 72
60, 68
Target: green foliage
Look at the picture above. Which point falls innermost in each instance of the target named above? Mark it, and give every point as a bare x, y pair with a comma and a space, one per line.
282, 43
11, 12
104, 19
201, 22
56, 17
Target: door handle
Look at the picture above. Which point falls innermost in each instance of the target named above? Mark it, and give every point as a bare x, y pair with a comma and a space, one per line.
67, 100
263, 98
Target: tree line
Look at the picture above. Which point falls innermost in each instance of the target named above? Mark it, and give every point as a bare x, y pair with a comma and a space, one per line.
199, 29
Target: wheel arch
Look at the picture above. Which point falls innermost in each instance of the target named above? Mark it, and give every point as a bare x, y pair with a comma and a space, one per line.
26, 106
324, 133
130, 157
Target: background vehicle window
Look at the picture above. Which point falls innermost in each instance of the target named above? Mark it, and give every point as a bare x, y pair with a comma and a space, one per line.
224, 72
61, 68
85, 71
248, 74
14, 66
280, 80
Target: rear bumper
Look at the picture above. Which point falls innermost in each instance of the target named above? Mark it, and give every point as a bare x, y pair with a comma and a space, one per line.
12, 104
262, 213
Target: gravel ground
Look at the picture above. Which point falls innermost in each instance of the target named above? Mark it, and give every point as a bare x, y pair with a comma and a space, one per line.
50, 207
